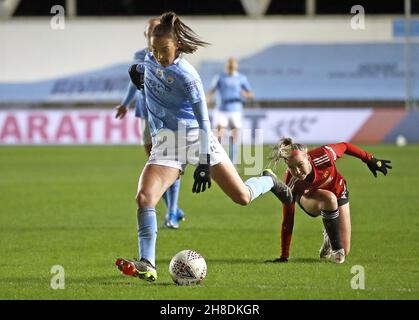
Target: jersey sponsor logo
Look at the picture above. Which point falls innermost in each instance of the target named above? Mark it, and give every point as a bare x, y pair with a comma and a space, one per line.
157, 87
327, 182
191, 85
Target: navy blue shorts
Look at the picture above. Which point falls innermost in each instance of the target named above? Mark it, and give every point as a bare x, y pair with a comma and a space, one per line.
344, 199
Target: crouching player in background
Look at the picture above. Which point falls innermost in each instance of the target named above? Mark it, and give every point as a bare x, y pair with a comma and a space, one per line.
174, 214
319, 189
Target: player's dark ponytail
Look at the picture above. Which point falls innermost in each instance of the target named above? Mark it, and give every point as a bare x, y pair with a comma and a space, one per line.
171, 25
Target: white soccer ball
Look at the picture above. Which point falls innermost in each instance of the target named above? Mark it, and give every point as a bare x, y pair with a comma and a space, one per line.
188, 267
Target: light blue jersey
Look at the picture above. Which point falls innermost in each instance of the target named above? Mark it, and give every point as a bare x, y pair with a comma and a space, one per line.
229, 88
170, 93
132, 91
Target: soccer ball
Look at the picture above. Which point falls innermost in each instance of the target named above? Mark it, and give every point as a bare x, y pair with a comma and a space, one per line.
188, 267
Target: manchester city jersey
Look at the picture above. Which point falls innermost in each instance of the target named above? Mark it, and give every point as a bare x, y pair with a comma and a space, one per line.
229, 88
170, 93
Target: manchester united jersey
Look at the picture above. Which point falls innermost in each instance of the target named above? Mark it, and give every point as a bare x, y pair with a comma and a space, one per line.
325, 176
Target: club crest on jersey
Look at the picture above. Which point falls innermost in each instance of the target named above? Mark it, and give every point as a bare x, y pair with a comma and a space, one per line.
324, 184
160, 73
325, 174
170, 79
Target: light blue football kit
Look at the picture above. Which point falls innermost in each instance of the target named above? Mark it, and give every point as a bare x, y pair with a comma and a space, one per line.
175, 96
171, 196
229, 88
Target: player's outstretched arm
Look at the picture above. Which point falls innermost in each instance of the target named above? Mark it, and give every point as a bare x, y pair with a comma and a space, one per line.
121, 111
247, 94
373, 163
288, 211
202, 174
122, 108
209, 96
378, 165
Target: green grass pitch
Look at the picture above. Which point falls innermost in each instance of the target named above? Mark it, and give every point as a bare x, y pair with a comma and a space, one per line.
74, 207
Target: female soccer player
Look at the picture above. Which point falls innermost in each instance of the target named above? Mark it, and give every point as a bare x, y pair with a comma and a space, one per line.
174, 214
180, 129
233, 88
319, 189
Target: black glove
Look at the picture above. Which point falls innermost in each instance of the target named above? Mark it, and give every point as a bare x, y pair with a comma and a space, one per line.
278, 260
378, 165
202, 175
137, 77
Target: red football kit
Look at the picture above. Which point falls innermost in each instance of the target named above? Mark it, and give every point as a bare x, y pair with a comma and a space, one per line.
325, 176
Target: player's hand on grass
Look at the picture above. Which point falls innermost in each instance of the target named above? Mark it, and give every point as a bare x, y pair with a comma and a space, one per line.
378, 165
136, 73
121, 111
202, 175
278, 260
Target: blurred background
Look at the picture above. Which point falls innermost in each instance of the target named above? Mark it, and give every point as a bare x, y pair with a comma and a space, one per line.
321, 70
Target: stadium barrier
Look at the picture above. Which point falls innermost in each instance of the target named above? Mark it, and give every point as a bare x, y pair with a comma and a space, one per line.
303, 72
326, 72
311, 126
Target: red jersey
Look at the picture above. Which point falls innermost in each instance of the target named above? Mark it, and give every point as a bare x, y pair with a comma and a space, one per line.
326, 177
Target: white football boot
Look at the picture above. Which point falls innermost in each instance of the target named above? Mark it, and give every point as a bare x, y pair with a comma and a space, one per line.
338, 256
326, 248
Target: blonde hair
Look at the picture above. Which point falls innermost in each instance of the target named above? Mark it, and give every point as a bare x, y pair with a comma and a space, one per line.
283, 150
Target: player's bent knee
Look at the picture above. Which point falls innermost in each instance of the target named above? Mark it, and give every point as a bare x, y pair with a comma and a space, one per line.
329, 202
241, 199
145, 199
